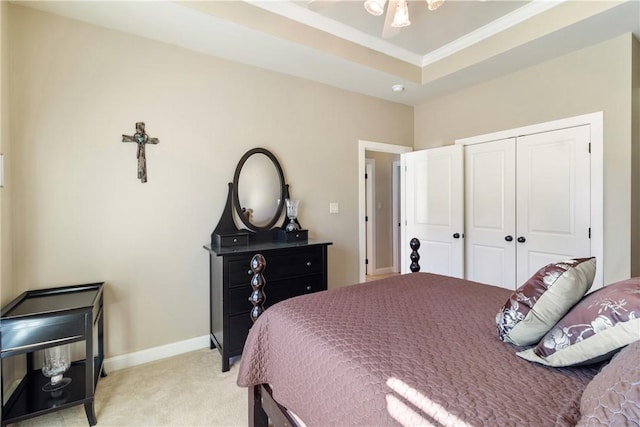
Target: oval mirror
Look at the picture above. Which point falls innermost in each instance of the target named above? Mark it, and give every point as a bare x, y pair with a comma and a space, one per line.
259, 189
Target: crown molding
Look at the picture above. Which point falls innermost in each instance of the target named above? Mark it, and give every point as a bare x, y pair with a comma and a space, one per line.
535, 7
338, 29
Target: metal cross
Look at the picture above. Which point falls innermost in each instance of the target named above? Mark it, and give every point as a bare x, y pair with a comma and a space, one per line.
141, 138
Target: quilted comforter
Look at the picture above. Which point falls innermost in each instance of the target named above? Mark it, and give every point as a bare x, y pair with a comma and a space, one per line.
417, 349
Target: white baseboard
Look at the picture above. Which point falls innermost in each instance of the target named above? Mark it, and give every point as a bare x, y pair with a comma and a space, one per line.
155, 353
385, 270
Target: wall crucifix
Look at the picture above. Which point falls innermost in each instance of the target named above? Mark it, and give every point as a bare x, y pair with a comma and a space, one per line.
141, 138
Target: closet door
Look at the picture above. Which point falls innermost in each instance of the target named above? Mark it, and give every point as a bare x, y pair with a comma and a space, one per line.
553, 198
434, 209
490, 213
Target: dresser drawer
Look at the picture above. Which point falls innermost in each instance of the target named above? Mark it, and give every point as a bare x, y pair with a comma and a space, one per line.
287, 288
239, 326
275, 291
280, 265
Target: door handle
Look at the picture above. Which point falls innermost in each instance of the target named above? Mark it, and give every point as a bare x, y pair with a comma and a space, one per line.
521, 239
456, 235
508, 238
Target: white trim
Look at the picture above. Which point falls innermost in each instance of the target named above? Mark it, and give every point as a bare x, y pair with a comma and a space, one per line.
370, 183
532, 129
395, 196
503, 23
597, 197
155, 353
595, 122
363, 147
385, 270
316, 20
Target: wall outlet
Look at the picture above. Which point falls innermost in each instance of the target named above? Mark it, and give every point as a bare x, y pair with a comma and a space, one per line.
334, 207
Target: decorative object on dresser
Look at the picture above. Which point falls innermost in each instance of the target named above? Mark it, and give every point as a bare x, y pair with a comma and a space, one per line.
241, 287
292, 214
141, 138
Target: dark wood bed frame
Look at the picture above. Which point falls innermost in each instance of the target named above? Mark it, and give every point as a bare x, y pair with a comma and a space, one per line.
263, 409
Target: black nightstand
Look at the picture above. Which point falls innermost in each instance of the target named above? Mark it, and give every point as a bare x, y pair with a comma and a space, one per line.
48, 318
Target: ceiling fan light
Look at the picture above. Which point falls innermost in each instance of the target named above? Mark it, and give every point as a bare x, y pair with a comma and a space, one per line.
375, 7
434, 4
401, 17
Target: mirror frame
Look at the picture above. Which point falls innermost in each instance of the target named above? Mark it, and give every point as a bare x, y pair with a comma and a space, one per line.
236, 198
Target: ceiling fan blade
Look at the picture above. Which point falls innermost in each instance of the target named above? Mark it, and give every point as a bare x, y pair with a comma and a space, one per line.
434, 4
317, 5
388, 31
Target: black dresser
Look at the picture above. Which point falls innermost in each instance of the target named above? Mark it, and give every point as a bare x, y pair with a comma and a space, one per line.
292, 269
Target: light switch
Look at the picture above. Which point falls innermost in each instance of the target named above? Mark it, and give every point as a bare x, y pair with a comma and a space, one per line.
334, 207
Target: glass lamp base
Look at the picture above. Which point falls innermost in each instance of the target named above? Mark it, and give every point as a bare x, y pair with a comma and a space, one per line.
50, 387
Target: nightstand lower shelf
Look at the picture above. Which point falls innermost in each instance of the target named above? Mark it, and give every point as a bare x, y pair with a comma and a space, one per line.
29, 400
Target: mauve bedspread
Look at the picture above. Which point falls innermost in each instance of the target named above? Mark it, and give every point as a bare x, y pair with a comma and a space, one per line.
414, 349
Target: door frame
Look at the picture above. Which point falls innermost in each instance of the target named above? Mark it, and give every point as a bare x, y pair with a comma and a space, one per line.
370, 183
595, 121
395, 196
363, 147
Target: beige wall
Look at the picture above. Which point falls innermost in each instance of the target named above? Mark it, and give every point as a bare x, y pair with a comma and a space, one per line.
83, 216
6, 282
594, 79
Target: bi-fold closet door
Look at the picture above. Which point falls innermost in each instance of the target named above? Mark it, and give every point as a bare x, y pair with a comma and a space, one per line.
527, 204
495, 212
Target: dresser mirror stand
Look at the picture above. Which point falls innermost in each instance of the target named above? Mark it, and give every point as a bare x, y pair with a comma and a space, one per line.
287, 263
256, 198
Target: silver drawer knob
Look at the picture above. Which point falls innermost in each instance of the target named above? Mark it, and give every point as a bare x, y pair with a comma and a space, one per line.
308, 263
309, 287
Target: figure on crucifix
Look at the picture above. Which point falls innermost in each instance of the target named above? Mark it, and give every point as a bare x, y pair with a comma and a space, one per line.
141, 138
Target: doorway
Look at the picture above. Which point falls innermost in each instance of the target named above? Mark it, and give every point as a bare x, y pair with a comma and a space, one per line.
371, 148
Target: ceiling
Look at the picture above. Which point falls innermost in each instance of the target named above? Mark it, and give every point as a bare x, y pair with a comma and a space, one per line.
429, 30
338, 43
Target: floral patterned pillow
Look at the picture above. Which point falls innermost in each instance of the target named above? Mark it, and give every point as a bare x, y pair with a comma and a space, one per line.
599, 325
538, 304
612, 398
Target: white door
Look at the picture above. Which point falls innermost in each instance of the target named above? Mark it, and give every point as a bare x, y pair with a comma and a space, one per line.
553, 198
490, 212
434, 203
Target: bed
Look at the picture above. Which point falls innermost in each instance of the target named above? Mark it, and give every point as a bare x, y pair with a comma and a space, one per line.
415, 349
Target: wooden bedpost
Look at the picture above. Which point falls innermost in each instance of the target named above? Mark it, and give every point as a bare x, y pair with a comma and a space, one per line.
415, 256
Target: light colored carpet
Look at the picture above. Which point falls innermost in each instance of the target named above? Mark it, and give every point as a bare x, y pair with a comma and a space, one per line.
184, 390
